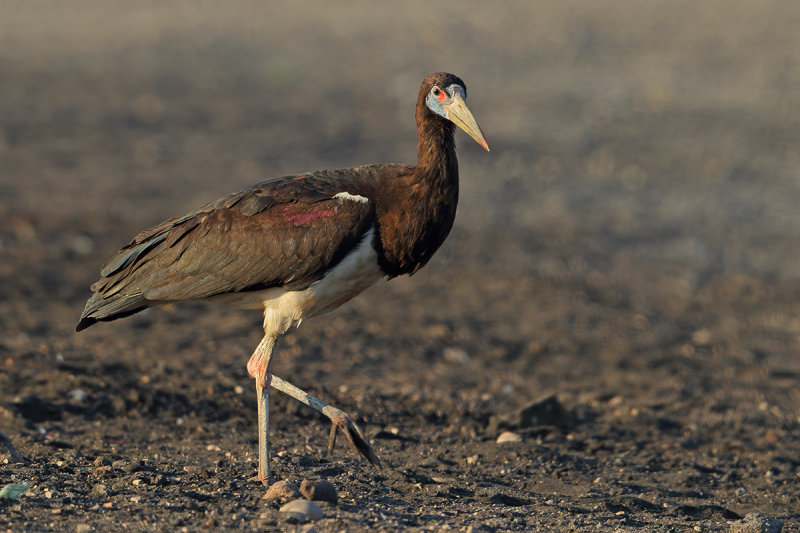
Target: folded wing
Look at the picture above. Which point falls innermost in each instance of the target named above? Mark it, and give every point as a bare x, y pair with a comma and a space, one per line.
286, 232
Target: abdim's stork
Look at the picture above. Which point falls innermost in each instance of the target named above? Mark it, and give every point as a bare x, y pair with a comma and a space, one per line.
299, 246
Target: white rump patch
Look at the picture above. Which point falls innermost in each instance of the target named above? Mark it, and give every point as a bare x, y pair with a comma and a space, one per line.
351, 197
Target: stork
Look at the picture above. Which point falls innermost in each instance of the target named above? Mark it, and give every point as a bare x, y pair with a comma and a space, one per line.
299, 246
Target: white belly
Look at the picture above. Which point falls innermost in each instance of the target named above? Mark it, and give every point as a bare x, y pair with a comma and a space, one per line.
283, 309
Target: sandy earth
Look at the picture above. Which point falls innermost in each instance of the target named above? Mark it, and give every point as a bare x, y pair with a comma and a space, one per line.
630, 246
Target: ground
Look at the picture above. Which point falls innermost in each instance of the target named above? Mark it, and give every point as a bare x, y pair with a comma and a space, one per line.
629, 245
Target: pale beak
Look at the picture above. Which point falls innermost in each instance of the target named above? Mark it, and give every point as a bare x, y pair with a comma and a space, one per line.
459, 114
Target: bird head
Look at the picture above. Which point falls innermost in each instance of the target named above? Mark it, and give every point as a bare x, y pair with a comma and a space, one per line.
445, 97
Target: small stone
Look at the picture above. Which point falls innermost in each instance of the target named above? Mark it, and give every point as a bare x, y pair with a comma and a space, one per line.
701, 337
78, 395
99, 491
294, 518
508, 437
102, 460
756, 523
546, 411
319, 491
281, 491
508, 500
473, 459
83, 528
101, 471
455, 355
310, 529
308, 510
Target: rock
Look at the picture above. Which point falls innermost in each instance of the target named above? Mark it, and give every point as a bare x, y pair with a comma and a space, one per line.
282, 491
295, 518
99, 491
101, 471
310, 529
302, 510
456, 355
508, 437
508, 500
83, 528
102, 460
13, 491
319, 491
78, 395
756, 523
546, 411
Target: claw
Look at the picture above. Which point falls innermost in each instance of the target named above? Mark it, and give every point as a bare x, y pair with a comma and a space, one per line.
338, 418
354, 436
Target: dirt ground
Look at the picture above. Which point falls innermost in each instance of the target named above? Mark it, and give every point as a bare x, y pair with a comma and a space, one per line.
630, 245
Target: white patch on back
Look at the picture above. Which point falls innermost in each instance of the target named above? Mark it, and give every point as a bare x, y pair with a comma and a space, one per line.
351, 197
283, 309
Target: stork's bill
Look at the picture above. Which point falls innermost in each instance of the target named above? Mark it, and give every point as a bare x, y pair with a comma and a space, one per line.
461, 116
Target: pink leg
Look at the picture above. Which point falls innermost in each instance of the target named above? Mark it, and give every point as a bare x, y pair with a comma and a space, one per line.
258, 367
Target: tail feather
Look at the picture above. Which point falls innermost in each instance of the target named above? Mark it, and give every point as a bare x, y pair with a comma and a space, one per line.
105, 309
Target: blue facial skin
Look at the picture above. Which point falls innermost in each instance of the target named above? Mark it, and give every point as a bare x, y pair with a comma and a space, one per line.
438, 107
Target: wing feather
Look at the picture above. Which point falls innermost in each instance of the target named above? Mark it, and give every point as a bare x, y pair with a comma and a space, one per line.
285, 232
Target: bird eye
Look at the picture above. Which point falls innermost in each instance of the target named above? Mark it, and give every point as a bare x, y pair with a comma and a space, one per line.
438, 94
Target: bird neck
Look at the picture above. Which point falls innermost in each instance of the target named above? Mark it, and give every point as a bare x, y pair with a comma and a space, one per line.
436, 150
417, 210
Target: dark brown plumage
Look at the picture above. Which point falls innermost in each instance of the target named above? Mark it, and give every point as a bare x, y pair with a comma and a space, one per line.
301, 245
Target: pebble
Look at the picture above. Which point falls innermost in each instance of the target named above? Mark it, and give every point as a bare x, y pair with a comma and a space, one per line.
102, 460
546, 411
83, 528
508, 436
281, 490
99, 491
322, 490
78, 395
302, 510
756, 523
456, 355
101, 471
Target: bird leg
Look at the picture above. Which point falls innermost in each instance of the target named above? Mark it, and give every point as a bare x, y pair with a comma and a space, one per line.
340, 420
258, 367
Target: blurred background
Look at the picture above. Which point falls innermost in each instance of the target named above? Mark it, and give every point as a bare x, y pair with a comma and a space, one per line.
633, 233
650, 150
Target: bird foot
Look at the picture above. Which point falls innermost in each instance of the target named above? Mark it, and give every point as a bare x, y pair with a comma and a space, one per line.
344, 422
264, 480
340, 420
